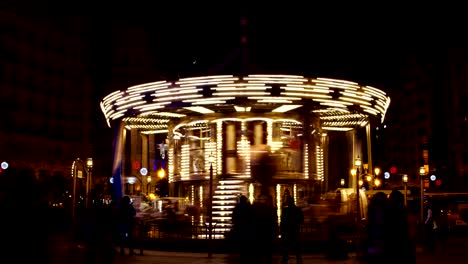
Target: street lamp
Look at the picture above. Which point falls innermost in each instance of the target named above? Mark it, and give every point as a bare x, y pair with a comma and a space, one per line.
148, 185
377, 172
89, 167
357, 164
422, 173
377, 183
211, 159
405, 180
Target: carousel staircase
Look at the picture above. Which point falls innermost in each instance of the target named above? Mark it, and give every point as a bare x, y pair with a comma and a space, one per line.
225, 198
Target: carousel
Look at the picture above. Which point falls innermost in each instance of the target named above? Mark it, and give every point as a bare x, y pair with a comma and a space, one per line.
213, 132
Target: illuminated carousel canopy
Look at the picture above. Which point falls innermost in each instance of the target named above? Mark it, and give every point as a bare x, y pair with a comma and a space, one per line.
340, 105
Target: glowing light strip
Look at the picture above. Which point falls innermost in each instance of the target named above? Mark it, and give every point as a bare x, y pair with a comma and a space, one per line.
280, 101
319, 160
112, 96
269, 132
278, 202
337, 128
171, 92
354, 100
306, 161
332, 102
210, 102
357, 95
331, 109
126, 106
162, 131
148, 89
170, 170
219, 146
175, 98
192, 196
251, 193
150, 107
200, 195
200, 109
185, 162
163, 114
295, 193
307, 95
349, 116
150, 126
126, 100
253, 85
244, 150
241, 93
210, 149
208, 99
285, 108
248, 88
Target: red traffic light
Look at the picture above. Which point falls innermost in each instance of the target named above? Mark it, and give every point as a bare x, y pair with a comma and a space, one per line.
438, 182
136, 165
393, 170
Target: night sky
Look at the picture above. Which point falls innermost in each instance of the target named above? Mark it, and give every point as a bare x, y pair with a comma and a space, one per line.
365, 44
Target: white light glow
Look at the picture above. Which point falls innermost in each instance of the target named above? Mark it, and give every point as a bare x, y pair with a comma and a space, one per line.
285, 108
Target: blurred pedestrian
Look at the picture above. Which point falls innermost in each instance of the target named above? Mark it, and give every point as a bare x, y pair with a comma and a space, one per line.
429, 234
398, 248
291, 220
265, 226
242, 229
376, 228
127, 223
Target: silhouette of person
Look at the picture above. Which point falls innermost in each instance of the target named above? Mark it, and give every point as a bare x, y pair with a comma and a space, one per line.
127, 224
100, 237
242, 228
291, 220
376, 228
265, 226
429, 227
397, 236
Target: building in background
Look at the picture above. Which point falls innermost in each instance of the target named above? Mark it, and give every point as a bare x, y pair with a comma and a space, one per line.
427, 125
45, 88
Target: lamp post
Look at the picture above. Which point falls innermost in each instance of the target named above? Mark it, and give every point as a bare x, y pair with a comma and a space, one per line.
89, 167
377, 183
148, 185
210, 208
357, 164
405, 181
422, 174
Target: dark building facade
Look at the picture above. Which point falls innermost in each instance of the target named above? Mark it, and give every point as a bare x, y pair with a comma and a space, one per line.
427, 124
45, 91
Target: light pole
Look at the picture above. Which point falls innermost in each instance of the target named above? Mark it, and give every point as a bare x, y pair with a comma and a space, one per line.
422, 174
89, 167
148, 185
377, 183
405, 181
355, 172
357, 163
377, 172
210, 208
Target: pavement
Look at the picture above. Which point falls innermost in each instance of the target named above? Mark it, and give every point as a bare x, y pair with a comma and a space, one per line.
161, 257
453, 250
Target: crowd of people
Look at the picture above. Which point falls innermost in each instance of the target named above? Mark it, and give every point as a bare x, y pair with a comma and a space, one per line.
255, 228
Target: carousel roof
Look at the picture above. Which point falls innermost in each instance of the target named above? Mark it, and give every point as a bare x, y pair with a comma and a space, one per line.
339, 104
